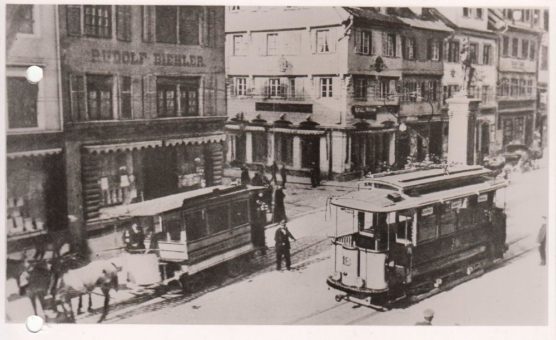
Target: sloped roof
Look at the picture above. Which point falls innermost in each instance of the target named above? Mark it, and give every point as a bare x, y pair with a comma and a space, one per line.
435, 25
371, 14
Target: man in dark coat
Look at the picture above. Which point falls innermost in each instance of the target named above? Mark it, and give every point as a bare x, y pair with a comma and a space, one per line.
134, 238
279, 207
257, 180
245, 179
541, 240
282, 239
259, 223
274, 171
284, 174
315, 175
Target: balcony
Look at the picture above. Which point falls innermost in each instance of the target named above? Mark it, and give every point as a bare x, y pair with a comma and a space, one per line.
280, 93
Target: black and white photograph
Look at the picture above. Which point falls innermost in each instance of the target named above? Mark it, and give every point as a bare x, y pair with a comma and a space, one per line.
184, 164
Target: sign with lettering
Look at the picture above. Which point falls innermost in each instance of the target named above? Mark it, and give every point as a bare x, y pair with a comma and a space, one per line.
364, 111
427, 211
456, 204
482, 198
142, 58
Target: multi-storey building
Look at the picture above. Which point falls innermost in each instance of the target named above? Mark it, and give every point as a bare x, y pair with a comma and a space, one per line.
472, 35
144, 103
420, 90
35, 172
323, 85
542, 82
519, 41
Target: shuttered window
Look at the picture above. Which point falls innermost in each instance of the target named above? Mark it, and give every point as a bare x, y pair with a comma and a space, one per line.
73, 19
77, 98
123, 23
98, 21
22, 99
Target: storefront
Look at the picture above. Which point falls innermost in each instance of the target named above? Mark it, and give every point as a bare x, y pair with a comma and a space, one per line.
370, 150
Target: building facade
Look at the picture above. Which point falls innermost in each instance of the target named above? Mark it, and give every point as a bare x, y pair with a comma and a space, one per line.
543, 80
519, 41
35, 172
144, 104
472, 35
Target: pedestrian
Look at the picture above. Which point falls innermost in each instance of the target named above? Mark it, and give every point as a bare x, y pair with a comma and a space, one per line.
428, 315
274, 171
282, 239
134, 238
541, 240
284, 174
257, 180
245, 179
315, 175
259, 223
279, 207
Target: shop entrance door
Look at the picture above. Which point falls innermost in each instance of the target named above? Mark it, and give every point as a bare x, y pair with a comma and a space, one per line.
160, 171
435, 143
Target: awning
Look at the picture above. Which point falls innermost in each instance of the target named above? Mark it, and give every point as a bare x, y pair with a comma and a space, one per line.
369, 132
123, 146
43, 152
196, 140
298, 131
245, 128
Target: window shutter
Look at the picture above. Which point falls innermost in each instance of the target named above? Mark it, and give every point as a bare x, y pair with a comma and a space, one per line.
136, 94
429, 49
77, 98
148, 23
149, 96
384, 43
117, 99
372, 42
398, 46
356, 40
404, 47
123, 23
313, 39
440, 51
73, 19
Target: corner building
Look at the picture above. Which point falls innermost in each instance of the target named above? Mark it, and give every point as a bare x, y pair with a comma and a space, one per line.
144, 104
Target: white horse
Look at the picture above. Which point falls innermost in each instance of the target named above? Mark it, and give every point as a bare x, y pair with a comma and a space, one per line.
84, 280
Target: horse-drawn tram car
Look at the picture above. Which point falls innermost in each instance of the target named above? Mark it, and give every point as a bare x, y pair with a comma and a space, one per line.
196, 230
414, 233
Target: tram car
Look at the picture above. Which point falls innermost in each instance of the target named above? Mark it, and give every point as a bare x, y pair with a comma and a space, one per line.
410, 234
197, 230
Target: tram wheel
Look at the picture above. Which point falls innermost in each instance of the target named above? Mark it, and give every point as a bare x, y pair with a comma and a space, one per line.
193, 283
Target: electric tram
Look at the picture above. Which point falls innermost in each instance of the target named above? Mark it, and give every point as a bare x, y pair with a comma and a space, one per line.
410, 233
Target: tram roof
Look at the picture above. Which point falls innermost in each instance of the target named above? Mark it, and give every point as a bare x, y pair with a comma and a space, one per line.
166, 203
405, 180
376, 199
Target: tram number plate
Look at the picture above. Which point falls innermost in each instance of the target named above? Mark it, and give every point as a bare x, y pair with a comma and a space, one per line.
346, 261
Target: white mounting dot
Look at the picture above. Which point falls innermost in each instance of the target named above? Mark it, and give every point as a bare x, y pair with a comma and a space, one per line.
34, 74
34, 323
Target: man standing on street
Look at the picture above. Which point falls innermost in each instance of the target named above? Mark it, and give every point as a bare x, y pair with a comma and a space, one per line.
282, 239
284, 174
541, 240
274, 171
428, 315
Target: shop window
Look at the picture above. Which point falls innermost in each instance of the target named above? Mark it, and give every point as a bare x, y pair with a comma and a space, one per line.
98, 21
217, 218
326, 87
240, 213
260, 147
283, 144
195, 225
178, 24
125, 97
177, 96
190, 167
123, 23
487, 51
323, 41
22, 99
117, 179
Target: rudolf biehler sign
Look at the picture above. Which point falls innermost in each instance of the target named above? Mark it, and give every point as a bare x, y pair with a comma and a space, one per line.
143, 58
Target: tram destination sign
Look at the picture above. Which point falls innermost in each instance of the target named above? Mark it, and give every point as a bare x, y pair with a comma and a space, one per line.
124, 57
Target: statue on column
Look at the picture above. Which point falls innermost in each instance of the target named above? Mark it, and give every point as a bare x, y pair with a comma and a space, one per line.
468, 69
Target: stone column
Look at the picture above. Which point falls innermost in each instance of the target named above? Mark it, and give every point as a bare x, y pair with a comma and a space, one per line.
461, 135
229, 153
297, 152
392, 148
248, 147
270, 148
323, 155
339, 141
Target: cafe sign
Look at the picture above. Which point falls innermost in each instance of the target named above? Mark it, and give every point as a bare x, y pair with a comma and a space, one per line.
123, 57
364, 111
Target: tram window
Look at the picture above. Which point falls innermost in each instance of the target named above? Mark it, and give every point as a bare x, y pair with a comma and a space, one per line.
217, 218
404, 220
195, 225
466, 218
448, 218
374, 228
172, 225
239, 213
427, 224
